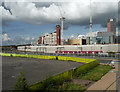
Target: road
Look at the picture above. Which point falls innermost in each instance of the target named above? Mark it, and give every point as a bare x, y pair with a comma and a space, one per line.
36, 69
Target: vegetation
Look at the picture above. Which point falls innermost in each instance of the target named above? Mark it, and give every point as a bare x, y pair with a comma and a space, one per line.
21, 83
61, 78
52, 81
67, 86
62, 83
71, 86
90, 71
96, 73
85, 68
75, 59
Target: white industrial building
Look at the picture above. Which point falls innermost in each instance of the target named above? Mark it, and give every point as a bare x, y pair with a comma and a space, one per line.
72, 48
50, 39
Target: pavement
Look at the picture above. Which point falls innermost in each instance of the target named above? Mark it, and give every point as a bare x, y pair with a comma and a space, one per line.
107, 82
0, 74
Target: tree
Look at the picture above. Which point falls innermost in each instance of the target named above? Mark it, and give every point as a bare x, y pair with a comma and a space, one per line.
21, 83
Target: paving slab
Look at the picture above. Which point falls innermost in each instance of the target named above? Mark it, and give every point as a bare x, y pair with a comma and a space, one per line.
106, 83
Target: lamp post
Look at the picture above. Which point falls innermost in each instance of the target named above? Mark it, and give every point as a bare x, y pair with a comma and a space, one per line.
116, 81
113, 64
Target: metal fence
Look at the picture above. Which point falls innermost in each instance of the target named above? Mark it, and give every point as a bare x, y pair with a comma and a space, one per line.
86, 55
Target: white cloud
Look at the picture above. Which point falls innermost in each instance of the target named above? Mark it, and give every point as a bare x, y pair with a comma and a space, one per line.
5, 37
75, 12
6, 40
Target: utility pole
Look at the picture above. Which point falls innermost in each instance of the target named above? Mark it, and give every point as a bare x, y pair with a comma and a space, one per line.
62, 22
90, 24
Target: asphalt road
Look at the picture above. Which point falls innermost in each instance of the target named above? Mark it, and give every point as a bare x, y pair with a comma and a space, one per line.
36, 69
105, 61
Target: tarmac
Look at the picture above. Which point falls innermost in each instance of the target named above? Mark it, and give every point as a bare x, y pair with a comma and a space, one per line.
107, 83
36, 69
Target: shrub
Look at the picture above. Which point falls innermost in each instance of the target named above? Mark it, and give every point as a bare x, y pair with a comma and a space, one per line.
52, 81
83, 69
61, 78
5, 54
71, 87
75, 59
21, 83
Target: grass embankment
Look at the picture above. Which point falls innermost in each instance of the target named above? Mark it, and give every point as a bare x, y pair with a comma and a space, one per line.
96, 73
62, 81
68, 86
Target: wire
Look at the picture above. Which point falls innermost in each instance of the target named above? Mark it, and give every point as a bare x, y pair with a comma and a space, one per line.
62, 12
59, 10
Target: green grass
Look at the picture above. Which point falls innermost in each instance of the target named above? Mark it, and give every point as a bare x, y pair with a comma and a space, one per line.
84, 68
69, 86
96, 73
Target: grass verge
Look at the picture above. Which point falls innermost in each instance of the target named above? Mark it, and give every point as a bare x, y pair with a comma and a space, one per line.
63, 77
96, 73
67, 86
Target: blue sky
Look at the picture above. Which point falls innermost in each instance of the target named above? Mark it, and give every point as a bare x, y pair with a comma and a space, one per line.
24, 22
29, 30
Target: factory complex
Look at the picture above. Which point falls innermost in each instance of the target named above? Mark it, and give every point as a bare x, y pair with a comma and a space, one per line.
97, 42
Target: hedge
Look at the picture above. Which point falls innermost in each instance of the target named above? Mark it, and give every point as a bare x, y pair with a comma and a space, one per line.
76, 59
61, 78
84, 68
4, 54
52, 81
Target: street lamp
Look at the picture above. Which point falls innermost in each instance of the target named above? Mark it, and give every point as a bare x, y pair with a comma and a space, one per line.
113, 66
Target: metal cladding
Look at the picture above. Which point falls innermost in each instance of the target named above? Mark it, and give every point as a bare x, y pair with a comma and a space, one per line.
58, 34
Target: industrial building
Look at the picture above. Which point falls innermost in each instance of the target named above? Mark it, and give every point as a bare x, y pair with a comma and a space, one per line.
104, 38
108, 37
73, 48
111, 26
76, 41
80, 40
51, 38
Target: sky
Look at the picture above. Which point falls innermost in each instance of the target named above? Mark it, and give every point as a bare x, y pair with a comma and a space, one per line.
23, 22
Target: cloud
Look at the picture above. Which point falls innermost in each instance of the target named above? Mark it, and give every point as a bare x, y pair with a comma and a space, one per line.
6, 40
5, 37
76, 13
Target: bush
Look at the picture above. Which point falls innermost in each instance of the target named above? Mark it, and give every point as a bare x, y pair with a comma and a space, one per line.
5, 54
21, 83
76, 59
83, 69
52, 81
63, 77
71, 87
